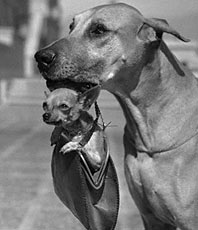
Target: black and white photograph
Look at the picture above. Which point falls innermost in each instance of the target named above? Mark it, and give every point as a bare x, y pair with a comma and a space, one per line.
98, 115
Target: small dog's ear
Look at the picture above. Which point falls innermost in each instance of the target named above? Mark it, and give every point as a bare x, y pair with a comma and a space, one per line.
153, 29
88, 98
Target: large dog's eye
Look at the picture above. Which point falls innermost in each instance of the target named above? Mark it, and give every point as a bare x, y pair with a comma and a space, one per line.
97, 30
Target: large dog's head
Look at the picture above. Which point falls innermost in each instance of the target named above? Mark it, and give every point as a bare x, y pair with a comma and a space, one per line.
103, 42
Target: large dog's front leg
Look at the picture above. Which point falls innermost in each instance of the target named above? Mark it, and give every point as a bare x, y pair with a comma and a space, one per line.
136, 188
150, 221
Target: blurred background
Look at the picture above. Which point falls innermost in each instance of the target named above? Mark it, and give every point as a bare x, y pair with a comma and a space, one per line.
27, 199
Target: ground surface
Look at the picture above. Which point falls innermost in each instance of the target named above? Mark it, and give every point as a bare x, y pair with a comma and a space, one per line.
27, 199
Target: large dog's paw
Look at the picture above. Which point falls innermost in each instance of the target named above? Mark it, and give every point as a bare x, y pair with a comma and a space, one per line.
70, 146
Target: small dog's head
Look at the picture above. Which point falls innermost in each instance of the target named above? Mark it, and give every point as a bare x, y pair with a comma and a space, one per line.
64, 106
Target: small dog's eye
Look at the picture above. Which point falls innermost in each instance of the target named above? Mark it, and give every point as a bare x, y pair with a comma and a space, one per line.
64, 106
98, 30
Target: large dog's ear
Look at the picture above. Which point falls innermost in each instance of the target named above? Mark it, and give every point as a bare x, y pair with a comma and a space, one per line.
153, 29
86, 99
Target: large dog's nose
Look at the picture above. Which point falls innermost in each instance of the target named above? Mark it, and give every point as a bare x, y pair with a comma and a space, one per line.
45, 57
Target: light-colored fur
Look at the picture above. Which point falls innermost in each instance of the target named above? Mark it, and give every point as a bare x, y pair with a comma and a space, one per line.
118, 48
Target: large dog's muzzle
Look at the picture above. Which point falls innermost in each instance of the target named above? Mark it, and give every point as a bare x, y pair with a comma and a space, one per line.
62, 65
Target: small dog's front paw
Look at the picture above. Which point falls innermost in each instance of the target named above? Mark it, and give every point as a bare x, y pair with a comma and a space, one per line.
71, 146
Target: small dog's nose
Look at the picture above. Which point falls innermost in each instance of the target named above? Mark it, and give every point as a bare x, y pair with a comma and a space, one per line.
46, 116
45, 57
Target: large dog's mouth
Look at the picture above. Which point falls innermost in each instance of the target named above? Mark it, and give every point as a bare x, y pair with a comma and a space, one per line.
78, 86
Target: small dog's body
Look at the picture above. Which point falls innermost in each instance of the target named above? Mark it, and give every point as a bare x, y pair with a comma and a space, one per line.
68, 112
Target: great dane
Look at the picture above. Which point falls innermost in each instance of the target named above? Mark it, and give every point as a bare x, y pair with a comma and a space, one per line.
118, 48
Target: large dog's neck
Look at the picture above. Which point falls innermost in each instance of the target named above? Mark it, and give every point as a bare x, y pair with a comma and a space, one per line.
161, 112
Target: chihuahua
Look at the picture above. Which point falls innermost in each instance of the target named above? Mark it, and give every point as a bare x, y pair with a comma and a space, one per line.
65, 109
